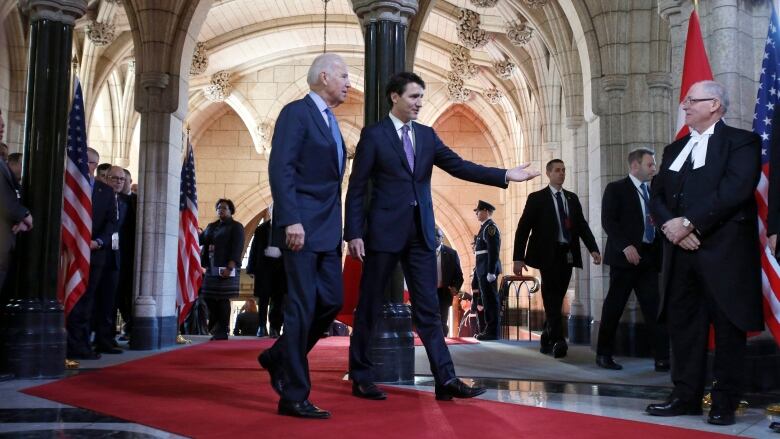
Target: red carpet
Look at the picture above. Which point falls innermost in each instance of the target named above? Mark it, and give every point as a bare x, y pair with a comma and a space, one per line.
216, 390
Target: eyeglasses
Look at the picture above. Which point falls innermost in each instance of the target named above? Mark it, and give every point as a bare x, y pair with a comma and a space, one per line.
117, 178
689, 100
93, 163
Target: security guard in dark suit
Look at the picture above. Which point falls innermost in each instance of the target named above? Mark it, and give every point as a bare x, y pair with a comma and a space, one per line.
488, 267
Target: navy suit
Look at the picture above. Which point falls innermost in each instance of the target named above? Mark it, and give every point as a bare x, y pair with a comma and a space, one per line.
11, 212
305, 177
104, 224
105, 298
624, 221
399, 225
720, 283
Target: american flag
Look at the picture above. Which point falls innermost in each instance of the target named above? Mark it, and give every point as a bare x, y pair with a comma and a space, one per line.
76, 208
190, 274
766, 100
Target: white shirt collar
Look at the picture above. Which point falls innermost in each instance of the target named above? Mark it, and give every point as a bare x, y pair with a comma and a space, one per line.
318, 101
697, 143
397, 122
636, 181
554, 191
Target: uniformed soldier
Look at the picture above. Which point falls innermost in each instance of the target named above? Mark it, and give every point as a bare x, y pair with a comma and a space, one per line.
488, 267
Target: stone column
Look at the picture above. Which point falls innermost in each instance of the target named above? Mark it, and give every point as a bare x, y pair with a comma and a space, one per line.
34, 344
154, 319
385, 26
672, 11
661, 120
579, 310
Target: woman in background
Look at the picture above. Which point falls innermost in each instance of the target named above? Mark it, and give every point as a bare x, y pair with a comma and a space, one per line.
223, 242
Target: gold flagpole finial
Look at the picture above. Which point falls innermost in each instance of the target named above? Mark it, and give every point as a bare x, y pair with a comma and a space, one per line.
696, 6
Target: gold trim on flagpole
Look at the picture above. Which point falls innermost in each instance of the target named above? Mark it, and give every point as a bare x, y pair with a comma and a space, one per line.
181, 340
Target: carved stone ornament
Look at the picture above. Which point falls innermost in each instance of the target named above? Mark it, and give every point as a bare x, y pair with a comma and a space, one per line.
536, 4
131, 66
460, 62
265, 133
200, 59
504, 69
220, 87
469, 33
519, 33
456, 91
115, 2
494, 96
484, 3
101, 34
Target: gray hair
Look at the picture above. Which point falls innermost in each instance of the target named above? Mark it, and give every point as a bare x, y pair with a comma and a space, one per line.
716, 90
322, 63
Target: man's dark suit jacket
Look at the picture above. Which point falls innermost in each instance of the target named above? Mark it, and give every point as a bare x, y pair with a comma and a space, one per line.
104, 224
307, 188
720, 203
539, 221
451, 273
380, 158
623, 220
269, 272
11, 209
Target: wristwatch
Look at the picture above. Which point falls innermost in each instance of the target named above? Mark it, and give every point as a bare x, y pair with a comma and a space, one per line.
686, 222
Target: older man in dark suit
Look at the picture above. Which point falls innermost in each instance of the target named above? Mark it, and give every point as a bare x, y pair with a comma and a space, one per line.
104, 224
703, 198
449, 277
633, 253
305, 170
397, 155
554, 220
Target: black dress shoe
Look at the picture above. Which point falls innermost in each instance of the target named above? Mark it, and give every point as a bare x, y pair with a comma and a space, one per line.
560, 348
6, 376
111, 351
721, 417
662, 366
545, 347
274, 371
485, 337
674, 407
368, 391
457, 389
302, 409
607, 362
274, 333
262, 332
219, 337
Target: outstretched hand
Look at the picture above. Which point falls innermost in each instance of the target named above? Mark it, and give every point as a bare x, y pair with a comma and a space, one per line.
520, 173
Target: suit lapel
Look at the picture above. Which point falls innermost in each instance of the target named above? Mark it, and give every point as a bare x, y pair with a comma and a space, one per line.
325, 130
392, 135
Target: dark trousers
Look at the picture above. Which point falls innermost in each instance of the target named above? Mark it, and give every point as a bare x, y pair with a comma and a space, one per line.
419, 266
269, 291
488, 292
555, 282
314, 298
690, 310
104, 313
445, 302
643, 280
78, 322
219, 316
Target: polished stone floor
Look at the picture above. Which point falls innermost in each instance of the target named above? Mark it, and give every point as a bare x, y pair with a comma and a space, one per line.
514, 372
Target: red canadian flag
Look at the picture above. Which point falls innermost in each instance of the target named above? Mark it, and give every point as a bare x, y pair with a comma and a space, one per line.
696, 67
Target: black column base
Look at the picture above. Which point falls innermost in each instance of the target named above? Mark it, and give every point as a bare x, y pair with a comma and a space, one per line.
579, 329
33, 339
392, 347
151, 333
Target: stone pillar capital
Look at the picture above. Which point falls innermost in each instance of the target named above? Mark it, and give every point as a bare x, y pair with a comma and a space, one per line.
573, 122
614, 83
63, 11
667, 8
157, 80
399, 11
659, 80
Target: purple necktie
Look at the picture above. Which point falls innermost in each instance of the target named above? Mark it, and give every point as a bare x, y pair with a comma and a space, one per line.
408, 149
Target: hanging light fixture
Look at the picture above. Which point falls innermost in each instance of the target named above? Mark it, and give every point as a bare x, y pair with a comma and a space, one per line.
325, 27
